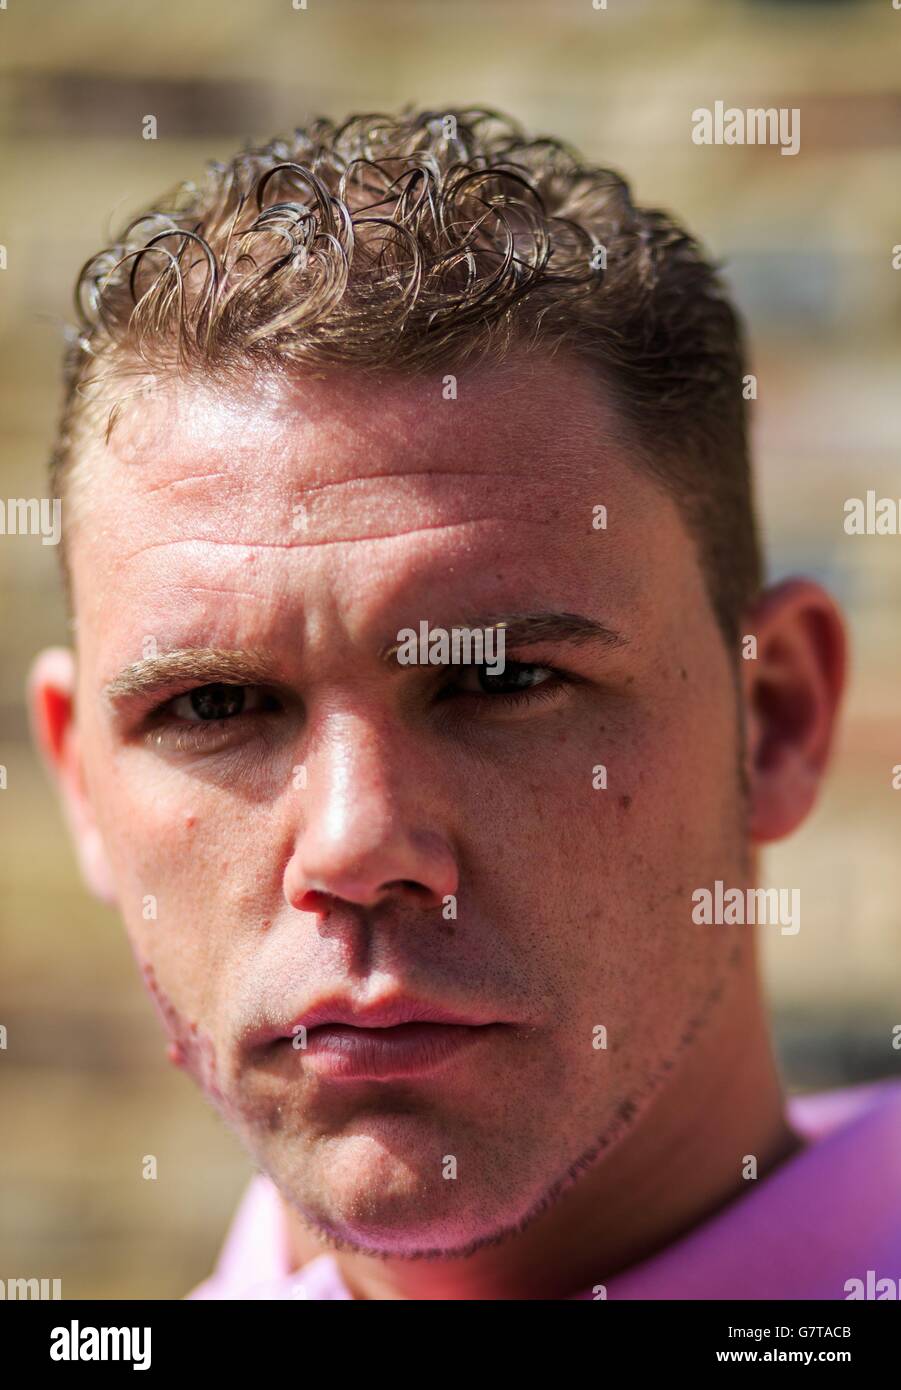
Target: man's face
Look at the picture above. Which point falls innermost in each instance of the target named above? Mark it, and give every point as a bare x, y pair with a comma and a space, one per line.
449, 839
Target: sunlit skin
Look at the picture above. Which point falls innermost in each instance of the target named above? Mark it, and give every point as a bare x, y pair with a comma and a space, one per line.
298, 526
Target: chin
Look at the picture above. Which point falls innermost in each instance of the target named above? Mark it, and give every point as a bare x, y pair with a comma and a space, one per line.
364, 1196
394, 1230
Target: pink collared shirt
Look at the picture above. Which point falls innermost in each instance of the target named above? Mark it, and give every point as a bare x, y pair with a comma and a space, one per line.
825, 1216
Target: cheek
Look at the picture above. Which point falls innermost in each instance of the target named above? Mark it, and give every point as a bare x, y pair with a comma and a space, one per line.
195, 877
186, 841
611, 830
190, 1045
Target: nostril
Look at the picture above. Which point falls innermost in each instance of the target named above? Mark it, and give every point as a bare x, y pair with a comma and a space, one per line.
414, 892
320, 904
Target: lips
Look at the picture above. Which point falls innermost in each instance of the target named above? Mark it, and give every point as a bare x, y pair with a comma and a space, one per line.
388, 1040
387, 1013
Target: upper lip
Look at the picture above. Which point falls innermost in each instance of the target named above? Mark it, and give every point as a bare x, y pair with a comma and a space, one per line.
381, 1013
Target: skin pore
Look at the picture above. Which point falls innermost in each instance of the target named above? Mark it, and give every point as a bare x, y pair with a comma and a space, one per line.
276, 538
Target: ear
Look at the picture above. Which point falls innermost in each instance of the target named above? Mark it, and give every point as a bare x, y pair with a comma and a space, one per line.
792, 692
51, 705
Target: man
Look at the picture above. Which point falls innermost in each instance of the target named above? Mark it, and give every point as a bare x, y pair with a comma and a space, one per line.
430, 934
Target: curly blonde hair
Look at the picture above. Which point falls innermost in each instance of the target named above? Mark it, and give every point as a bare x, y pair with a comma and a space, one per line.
422, 241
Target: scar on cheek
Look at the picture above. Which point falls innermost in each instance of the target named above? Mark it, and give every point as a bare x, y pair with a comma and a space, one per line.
189, 1048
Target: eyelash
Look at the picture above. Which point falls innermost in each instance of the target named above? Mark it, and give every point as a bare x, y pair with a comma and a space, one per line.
196, 734
528, 695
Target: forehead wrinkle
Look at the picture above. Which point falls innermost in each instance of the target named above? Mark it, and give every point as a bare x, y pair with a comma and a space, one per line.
186, 478
307, 545
403, 474
225, 593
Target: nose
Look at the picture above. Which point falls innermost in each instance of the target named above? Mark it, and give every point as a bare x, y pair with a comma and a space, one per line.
367, 830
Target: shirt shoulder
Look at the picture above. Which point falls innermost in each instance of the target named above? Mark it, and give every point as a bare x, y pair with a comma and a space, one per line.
823, 1217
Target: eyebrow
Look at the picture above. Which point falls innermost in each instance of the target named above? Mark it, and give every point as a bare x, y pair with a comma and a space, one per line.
210, 665
200, 665
532, 629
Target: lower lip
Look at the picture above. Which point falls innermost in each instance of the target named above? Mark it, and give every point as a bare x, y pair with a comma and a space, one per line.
342, 1053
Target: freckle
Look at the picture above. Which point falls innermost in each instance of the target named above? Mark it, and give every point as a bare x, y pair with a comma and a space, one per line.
629, 680
625, 802
684, 674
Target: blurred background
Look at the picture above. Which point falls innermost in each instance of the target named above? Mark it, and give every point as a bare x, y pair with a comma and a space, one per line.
807, 243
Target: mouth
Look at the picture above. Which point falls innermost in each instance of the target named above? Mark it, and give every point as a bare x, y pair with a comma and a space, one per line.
385, 1042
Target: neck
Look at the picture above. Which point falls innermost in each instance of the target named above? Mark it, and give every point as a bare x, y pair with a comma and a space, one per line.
679, 1164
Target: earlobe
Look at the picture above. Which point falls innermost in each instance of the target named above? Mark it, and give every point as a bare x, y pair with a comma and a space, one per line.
51, 704
792, 692
95, 869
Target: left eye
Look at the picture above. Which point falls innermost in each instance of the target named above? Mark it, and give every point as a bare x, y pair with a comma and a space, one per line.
218, 701
516, 678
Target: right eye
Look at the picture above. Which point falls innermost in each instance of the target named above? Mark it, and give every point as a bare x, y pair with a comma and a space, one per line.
219, 701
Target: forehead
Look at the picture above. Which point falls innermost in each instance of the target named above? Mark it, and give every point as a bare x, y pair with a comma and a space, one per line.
256, 490
550, 424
